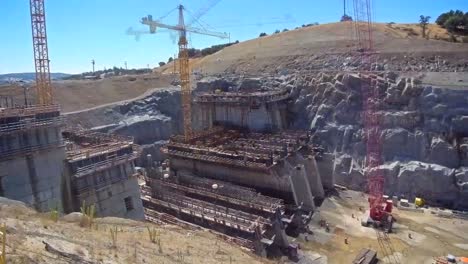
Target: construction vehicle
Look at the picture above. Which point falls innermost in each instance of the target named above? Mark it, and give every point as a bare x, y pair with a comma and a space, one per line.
183, 59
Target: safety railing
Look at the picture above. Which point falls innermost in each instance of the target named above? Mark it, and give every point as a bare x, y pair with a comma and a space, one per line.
103, 165
30, 123
29, 149
242, 97
21, 111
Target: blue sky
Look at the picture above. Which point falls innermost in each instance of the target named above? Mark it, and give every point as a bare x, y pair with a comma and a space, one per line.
81, 30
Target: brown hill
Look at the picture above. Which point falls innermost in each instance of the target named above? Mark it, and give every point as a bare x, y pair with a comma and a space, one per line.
326, 39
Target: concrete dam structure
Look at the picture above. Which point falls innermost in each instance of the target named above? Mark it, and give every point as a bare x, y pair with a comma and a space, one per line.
245, 175
31, 155
48, 169
100, 170
260, 111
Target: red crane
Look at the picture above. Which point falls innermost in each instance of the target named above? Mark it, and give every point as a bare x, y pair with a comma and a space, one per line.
379, 209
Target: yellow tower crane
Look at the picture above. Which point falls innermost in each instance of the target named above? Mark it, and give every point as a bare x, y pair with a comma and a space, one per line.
183, 59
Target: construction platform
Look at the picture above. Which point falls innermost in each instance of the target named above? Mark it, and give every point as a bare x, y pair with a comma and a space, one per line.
238, 214
100, 170
276, 164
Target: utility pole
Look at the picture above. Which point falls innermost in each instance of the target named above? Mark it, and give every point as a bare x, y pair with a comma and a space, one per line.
126, 66
25, 95
93, 62
344, 7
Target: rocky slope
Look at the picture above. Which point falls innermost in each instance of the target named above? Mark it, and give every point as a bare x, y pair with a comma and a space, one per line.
150, 120
424, 133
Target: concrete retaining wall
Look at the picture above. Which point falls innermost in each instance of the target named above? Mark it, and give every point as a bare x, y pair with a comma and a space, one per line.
33, 176
267, 117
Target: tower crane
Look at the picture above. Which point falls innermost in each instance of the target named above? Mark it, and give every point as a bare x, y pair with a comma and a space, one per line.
41, 53
183, 60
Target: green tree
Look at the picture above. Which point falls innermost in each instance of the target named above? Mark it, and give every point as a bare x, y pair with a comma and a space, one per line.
457, 24
277, 31
423, 22
263, 34
170, 59
285, 30
161, 63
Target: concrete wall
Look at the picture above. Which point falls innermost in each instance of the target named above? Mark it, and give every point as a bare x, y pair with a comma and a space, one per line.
33, 177
276, 181
325, 168
242, 176
268, 117
109, 198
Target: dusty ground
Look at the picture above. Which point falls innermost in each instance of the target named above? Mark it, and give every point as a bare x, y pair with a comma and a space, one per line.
27, 229
431, 236
75, 95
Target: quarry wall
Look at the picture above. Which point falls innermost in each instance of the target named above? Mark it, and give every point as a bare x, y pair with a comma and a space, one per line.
424, 133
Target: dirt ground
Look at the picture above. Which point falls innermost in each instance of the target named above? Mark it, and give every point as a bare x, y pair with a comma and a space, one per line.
75, 95
27, 230
431, 236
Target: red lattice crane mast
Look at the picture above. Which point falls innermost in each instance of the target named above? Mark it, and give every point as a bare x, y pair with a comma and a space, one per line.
41, 53
379, 209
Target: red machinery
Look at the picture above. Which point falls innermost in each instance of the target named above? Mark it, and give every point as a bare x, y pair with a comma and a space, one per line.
380, 209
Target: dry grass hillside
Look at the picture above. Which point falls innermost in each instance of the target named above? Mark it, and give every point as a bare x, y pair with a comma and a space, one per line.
69, 243
75, 95
256, 56
326, 39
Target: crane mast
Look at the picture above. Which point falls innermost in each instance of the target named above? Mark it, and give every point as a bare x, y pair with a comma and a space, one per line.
184, 68
41, 53
186, 90
379, 210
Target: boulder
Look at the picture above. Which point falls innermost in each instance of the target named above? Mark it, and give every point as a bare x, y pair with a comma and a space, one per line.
442, 153
252, 84
432, 182
460, 124
352, 81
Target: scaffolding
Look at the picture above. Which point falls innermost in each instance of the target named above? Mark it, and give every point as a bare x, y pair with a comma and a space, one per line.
232, 148
24, 118
89, 153
243, 98
242, 197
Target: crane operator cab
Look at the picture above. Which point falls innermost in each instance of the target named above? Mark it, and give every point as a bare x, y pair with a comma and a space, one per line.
379, 215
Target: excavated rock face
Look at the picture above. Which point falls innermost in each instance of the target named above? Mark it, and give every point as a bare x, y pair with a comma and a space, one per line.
423, 132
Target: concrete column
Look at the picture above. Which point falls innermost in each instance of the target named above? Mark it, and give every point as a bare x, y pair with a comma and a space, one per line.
325, 168
301, 189
313, 176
